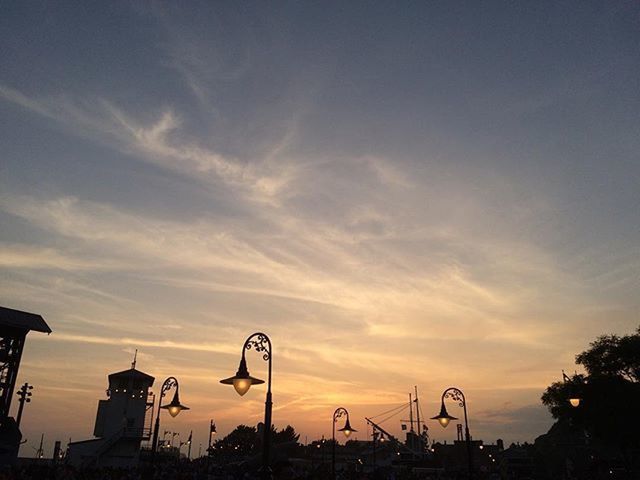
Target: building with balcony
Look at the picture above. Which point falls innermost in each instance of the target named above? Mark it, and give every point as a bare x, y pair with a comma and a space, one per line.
123, 422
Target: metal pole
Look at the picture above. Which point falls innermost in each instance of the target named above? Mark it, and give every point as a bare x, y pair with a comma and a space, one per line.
268, 404
468, 440
154, 443
266, 474
333, 448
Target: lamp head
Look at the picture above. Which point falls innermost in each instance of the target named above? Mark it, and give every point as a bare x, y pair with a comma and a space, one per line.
575, 401
443, 417
347, 429
242, 381
175, 407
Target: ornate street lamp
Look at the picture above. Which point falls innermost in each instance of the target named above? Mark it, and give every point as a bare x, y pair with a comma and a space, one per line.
444, 418
347, 430
242, 381
174, 408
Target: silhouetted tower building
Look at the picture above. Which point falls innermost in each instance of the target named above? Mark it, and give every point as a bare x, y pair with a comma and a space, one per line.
14, 326
126, 405
123, 421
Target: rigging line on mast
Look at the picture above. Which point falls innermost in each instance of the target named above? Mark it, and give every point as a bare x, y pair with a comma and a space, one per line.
393, 415
401, 406
423, 417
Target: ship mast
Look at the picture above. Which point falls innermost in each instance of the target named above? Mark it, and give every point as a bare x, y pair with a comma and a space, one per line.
417, 408
410, 413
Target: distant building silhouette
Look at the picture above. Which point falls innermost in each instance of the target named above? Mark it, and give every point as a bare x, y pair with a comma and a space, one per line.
123, 421
14, 326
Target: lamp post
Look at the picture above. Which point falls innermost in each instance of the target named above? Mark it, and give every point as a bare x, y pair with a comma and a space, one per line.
174, 408
444, 418
347, 430
242, 381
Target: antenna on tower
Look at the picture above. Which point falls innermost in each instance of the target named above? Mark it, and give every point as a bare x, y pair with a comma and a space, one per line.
135, 360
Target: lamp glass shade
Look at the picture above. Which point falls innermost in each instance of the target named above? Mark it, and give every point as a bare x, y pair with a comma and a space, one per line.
347, 429
242, 381
443, 417
574, 401
242, 385
175, 407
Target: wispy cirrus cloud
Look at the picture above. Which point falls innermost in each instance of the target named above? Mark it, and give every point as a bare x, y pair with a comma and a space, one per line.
160, 143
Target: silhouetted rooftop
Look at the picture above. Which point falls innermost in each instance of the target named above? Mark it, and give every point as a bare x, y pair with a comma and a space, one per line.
132, 373
23, 320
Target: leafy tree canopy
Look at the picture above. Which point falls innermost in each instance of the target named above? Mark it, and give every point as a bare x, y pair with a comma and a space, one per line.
613, 356
245, 440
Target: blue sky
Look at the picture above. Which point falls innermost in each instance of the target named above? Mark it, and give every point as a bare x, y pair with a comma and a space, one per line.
427, 193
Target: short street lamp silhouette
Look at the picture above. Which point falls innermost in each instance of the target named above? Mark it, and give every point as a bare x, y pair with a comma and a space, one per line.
444, 419
242, 381
347, 430
574, 395
174, 408
212, 432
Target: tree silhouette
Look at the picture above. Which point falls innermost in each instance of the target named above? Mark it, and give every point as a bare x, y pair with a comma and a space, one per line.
286, 435
242, 441
613, 356
610, 393
245, 441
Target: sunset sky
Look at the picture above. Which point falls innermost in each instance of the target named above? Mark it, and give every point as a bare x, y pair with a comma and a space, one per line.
399, 194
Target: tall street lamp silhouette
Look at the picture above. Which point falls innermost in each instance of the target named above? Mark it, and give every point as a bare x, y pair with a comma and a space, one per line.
347, 430
444, 418
242, 381
174, 408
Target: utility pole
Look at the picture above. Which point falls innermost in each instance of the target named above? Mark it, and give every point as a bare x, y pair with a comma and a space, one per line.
24, 394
